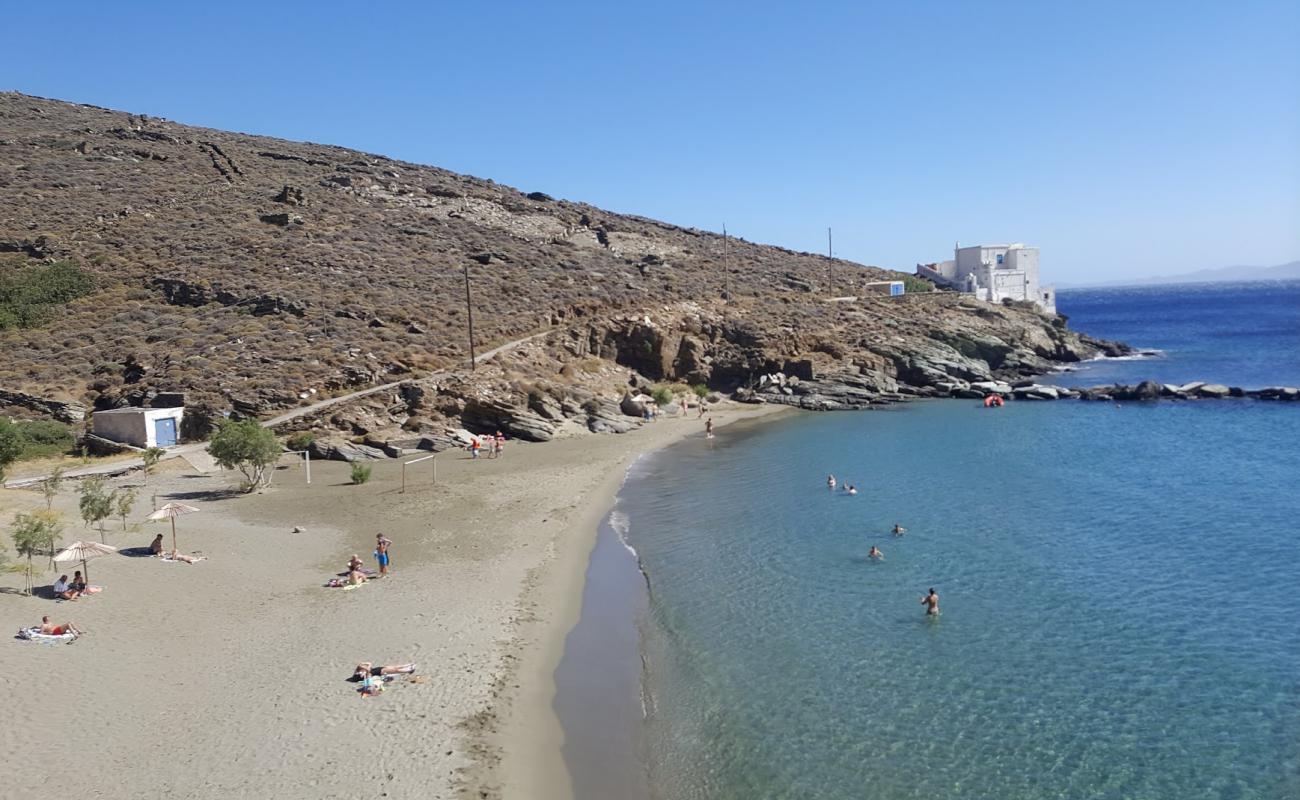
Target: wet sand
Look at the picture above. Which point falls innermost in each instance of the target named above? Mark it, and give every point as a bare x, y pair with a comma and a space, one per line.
227, 677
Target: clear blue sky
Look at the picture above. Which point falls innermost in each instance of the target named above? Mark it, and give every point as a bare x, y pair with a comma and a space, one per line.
1125, 139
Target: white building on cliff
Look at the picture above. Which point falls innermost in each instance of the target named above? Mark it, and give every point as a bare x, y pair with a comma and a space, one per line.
993, 272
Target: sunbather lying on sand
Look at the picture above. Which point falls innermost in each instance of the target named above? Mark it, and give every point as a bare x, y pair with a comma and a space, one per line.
367, 669
175, 556
366, 673
50, 629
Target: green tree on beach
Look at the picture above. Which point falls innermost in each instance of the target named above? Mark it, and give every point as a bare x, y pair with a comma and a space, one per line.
50, 486
248, 447
122, 502
11, 445
95, 502
151, 457
35, 533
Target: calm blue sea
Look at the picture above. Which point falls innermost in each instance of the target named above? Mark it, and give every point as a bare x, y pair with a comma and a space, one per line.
1245, 334
1120, 587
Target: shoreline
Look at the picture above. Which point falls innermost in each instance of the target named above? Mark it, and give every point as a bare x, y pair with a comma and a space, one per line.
531, 738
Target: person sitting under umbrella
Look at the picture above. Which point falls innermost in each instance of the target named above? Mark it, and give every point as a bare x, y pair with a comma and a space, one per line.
64, 591
50, 629
156, 546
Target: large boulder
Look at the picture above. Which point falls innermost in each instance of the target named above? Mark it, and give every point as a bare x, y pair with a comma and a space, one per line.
519, 422
633, 405
1213, 390
343, 450
605, 416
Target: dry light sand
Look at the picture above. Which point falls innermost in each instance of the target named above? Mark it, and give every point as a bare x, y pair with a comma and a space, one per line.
228, 678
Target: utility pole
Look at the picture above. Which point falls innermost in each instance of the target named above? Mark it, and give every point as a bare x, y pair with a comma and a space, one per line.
830, 264
469, 311
726, 265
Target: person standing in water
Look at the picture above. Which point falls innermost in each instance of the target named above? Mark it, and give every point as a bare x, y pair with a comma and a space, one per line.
931, 603
899, 530
830, 482
875, 554
708, 428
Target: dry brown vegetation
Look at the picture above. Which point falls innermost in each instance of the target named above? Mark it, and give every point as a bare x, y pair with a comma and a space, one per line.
254, 273
359, 276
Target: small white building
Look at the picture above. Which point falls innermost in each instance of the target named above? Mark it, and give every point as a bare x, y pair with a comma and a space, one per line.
889, 288
141, 427
993, 272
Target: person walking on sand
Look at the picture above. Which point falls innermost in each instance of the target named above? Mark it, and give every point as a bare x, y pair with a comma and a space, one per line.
931, 603
500, 444
474, 446
382, 543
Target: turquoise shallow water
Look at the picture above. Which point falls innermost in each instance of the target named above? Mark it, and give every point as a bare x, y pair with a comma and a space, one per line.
1119, 590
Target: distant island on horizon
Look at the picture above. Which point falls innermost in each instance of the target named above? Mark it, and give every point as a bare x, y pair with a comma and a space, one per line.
1289, 271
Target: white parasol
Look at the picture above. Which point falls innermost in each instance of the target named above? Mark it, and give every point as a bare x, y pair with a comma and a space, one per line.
171, 511
83, 552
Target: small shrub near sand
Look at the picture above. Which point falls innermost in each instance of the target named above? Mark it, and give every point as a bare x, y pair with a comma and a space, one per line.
663, 395
300, 441
701, 391
360, 473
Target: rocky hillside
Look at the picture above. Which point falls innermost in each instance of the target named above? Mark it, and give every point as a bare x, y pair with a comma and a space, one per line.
255, 274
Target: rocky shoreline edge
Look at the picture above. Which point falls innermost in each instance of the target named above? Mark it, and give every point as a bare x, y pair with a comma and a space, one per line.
789, 390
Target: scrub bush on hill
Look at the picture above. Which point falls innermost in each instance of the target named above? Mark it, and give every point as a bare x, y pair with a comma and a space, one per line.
44, 438
29, 296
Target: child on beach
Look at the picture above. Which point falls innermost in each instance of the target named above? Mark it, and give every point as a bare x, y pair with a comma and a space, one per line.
381, 552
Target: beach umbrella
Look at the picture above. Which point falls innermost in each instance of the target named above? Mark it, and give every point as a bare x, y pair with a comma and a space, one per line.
83, 552
171, 511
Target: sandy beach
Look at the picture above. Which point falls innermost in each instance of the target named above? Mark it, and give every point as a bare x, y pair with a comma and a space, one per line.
228, 677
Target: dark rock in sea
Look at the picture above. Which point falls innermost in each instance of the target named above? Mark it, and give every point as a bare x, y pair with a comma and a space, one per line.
1147, 390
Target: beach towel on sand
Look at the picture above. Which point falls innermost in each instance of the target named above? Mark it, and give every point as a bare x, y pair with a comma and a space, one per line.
35, 635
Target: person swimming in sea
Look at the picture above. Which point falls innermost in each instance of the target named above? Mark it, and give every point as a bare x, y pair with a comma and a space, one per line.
898, 530
852, 490
931, 603
875, 554
830, 482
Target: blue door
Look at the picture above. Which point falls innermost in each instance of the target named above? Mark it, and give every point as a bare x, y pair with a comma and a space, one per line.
165, 432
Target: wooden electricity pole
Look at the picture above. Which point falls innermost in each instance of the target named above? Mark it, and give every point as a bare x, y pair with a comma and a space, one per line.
726, 266
830, 264
469, 311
